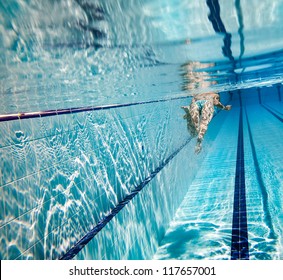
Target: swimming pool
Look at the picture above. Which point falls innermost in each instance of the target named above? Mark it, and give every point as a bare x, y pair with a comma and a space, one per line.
96, 160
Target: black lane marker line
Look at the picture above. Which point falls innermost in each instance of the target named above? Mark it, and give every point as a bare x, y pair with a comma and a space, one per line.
273, 109
239, 244
279, 92
102, 223
48, 113
273, 113
259, 95
265, 200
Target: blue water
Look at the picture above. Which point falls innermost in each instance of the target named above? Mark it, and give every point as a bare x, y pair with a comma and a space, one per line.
96, 161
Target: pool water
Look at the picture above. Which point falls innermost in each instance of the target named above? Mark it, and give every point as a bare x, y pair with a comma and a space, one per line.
201, 228
96, 160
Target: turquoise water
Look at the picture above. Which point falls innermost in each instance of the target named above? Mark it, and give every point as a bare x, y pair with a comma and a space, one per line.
95, 158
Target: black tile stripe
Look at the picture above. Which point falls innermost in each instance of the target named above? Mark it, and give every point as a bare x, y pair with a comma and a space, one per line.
48, 113
273, 113
269, 109
262, 187
259, 95
273, 109
239, 243
87, 238
279, 92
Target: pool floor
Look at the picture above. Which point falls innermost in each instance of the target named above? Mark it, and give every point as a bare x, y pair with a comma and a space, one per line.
208, 224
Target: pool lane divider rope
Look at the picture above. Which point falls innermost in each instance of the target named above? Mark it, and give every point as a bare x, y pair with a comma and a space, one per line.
49, 113
102, 223
239, 242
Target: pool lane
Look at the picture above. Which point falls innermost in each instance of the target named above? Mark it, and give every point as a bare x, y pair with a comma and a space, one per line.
264, 176
202, 225
234, 207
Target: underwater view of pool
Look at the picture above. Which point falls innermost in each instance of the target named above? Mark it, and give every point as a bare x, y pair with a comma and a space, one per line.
97, 161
